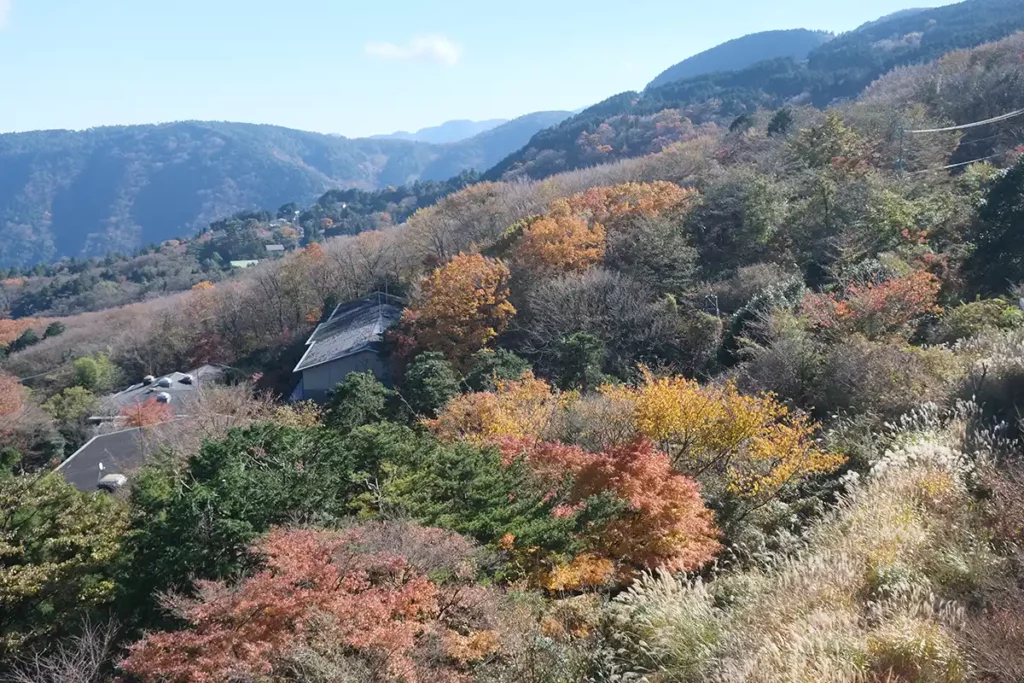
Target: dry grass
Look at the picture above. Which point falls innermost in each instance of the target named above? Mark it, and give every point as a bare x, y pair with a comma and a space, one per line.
880, 592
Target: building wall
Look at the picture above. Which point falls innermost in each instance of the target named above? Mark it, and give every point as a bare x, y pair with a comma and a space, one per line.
317, 381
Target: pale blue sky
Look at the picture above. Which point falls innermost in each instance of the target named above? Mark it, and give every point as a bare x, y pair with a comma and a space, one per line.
358, 68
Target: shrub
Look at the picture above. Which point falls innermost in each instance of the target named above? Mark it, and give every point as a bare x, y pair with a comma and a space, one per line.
97, 373
892, 308
972, 318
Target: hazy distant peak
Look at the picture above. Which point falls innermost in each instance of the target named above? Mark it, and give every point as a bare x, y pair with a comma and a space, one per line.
449, 131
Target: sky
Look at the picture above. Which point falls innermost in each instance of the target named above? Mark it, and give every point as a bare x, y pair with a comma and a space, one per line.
359, 68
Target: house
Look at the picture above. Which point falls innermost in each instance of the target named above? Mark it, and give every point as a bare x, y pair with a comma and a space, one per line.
174, 389
244, 264
274, 248
350, 340
108, 461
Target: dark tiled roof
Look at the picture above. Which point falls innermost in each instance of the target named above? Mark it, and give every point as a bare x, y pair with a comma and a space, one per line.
140, 393
353, 327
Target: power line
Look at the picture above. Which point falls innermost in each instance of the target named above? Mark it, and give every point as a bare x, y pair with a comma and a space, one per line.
995, 119
962, 163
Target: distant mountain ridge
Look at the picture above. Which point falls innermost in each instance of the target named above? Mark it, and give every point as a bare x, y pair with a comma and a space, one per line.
740, 53
449, 131
87, 193
836, 70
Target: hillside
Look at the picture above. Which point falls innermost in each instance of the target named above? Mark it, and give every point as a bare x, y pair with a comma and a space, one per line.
744, 410
740, 53
87, 193
449, 131
839, 69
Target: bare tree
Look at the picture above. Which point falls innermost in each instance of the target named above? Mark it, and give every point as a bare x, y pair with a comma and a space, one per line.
81, 659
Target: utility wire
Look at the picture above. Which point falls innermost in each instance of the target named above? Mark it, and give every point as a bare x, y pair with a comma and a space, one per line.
962, 163
995, 119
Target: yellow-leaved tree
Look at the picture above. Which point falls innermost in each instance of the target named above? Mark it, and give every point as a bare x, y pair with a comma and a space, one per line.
460, 308
750, 447
560, 243
519, 409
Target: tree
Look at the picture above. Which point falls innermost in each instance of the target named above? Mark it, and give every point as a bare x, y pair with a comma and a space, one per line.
892, 308
59, 549
460, 308
560, 243
12, 394
147, 413
322, 587
96, 373
749, 447
489, 367
781, 122
54, 329
662, 522
581, 360
28, 338
71, 405
199, 520
430, 382
998, 259
520, 408
360, 400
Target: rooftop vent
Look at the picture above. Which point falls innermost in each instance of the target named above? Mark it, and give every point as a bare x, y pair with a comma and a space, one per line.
148, 379
187, 379
163, 397
164, 382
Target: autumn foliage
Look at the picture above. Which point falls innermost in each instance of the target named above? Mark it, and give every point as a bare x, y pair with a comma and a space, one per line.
147, 413
318, 589
516, 409
610, 205
664, 524
753, 442
889, 309
560, 243
11, 394
461, 307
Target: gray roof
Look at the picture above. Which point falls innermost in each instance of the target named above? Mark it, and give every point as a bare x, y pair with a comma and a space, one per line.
121, 452
275, 247
353, 327
140, 393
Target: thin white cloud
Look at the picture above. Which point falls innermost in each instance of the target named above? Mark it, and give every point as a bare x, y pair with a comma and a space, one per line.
426, 48
5, 12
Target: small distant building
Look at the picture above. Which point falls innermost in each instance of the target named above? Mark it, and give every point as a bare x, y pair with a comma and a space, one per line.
351, 340
244, 264
275, 248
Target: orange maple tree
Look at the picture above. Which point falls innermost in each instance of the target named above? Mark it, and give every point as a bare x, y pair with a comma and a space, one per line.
460, 308
149, 412
664, 524
315, 585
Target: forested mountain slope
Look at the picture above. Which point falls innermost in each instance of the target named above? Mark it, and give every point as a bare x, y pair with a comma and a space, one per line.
740, 53
838, 69
87, 193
